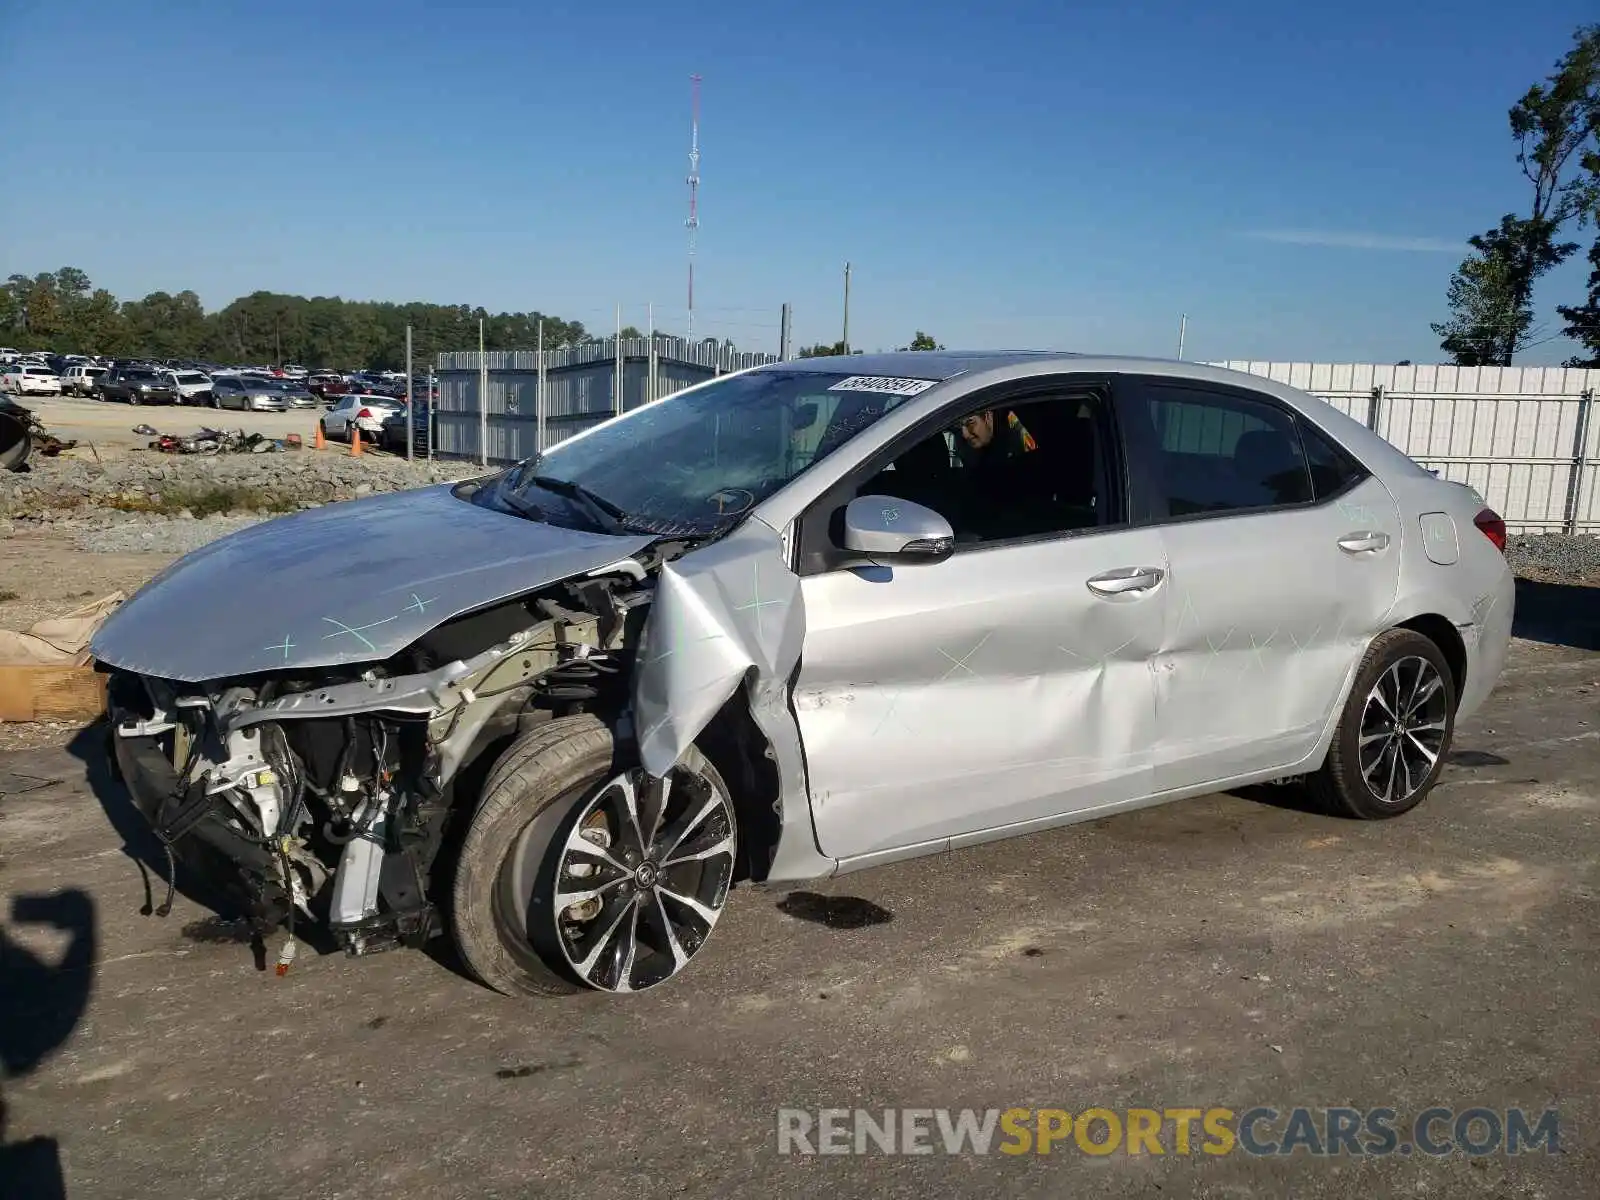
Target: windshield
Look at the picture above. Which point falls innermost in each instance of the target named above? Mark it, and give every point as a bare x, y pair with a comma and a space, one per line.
694, 463
190, 377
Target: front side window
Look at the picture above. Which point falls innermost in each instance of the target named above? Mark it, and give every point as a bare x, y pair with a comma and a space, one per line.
695, 462
1023, 469
1221, 453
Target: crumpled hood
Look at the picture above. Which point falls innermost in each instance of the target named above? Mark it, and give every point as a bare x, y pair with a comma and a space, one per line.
351, 582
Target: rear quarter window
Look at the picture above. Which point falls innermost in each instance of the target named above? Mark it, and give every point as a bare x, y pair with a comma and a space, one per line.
1333, 469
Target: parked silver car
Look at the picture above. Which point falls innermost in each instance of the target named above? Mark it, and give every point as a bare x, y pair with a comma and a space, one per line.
249, 395
295, 394
795, 622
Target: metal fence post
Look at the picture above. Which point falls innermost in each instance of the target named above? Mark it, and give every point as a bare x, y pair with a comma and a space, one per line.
483, 399
616, 386
1375, 410
538, 394
433, 406
1580, 462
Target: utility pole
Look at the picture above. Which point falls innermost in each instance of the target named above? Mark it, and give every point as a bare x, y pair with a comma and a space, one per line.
411, 412
783, 334
847, 308
1183, 328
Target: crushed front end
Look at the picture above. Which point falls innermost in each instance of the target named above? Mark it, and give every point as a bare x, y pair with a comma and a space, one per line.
330, 794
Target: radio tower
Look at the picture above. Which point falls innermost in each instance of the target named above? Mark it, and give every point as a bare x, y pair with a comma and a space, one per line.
693, 223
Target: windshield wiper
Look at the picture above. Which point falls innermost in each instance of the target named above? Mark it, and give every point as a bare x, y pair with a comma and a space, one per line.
515, 502
604, 513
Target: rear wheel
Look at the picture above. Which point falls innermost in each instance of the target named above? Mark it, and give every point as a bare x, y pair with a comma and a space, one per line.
1395, 731
578, 871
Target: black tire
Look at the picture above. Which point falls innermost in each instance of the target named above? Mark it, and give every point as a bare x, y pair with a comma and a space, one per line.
539, 786
1341, 785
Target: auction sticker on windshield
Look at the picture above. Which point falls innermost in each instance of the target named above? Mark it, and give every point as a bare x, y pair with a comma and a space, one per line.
883, 383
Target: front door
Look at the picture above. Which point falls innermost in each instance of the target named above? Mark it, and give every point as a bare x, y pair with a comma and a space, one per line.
1284, 557
1009, 683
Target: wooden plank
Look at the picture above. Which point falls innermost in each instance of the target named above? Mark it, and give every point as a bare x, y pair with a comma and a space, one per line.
51, 694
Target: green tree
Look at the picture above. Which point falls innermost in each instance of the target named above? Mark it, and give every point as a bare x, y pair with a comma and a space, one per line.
822, 350
1491, 310
1491, 293
922, 342
64, 311
1583, 320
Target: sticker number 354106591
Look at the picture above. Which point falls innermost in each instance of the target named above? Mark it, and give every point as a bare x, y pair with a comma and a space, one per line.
883, 383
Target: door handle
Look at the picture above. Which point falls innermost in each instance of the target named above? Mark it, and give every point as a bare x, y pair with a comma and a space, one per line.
1126, 579
1362, 543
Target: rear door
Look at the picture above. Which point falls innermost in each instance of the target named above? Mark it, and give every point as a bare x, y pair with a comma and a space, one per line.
1285, 561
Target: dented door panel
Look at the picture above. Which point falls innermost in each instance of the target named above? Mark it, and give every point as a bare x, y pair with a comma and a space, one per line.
991, 688
1267, 617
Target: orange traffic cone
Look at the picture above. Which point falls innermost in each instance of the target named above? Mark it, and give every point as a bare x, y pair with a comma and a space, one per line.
321, 442
355, 441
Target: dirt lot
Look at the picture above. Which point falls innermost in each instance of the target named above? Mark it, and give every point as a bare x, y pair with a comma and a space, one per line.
1224, 951
109, 425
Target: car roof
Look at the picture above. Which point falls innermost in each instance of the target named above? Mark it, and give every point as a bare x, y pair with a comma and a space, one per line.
976, 368
920, 364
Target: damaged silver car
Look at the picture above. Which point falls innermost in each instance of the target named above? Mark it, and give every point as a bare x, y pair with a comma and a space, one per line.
789, 623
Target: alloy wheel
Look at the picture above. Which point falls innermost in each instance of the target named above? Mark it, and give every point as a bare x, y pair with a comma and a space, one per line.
1403, 727
640, 879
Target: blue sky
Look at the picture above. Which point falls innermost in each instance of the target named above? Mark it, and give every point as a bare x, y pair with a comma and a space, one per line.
1068, 175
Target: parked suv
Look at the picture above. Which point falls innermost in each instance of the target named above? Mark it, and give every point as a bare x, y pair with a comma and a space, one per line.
28, 379
138, 385
82, 379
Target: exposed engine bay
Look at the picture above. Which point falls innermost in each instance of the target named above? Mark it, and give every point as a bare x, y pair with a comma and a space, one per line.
330, 794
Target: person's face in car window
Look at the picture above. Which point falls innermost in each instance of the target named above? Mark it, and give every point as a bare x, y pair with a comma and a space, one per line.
978, 429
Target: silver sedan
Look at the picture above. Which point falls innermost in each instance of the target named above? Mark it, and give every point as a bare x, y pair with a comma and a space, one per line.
799, 621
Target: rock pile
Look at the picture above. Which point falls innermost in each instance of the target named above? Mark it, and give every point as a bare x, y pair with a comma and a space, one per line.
183, 501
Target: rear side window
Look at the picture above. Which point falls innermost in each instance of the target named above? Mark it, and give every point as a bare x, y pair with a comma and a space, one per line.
1332, 469
1221, 453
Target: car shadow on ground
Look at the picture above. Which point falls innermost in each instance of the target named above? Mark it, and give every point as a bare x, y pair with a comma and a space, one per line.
1558, 614
40, 1005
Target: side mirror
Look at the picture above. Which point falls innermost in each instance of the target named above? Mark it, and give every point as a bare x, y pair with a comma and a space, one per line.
889, 528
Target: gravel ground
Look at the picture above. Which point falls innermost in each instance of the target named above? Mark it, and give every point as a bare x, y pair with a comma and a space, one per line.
1225, 951
1555, 557
174, 504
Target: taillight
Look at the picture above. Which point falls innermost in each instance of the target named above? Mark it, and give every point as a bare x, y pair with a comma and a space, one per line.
1493, 528
366, 415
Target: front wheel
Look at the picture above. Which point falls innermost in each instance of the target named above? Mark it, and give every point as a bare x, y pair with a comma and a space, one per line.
579, 871
1395, 731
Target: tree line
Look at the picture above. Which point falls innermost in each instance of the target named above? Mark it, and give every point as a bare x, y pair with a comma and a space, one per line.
64, 312
1555, 127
